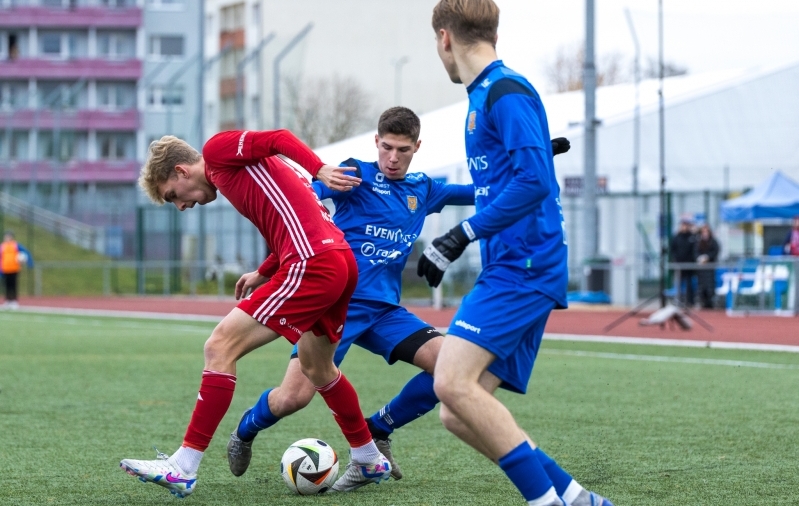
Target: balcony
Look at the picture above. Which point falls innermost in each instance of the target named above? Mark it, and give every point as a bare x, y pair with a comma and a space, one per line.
82, 119
79, 17
39, 68
72, 171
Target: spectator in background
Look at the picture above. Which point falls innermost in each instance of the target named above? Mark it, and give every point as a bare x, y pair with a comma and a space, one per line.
791, 245
706, 252
12, 256
683, 251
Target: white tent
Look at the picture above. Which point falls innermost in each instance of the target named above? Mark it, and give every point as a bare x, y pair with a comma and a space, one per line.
745, 120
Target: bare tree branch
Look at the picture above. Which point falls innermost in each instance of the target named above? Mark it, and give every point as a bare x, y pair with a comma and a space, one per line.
327, 110
565, 72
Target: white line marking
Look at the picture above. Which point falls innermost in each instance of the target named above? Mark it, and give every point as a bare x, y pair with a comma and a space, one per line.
147, 315
101, 323
687, 343
678, 360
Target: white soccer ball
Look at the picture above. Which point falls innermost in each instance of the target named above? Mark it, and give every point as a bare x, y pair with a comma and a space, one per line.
309, 467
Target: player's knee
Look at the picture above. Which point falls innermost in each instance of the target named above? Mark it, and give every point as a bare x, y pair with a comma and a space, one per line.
287, 403
217, 347
448, 389
448, 419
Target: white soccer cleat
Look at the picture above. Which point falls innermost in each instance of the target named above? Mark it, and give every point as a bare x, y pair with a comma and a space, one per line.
161, 472
358, 475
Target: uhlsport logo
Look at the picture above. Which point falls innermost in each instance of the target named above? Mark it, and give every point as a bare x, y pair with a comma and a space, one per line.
467, 326
412, 203
241, 143
472, 122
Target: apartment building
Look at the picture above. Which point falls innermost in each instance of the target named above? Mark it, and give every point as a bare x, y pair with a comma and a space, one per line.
84, 86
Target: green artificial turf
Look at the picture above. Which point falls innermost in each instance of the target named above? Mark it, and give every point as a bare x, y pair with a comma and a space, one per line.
78, 394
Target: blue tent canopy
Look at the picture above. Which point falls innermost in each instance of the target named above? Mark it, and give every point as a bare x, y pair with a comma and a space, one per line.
776, 197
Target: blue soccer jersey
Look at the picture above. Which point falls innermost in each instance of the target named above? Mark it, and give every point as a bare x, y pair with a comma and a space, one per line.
519, 220
382, 218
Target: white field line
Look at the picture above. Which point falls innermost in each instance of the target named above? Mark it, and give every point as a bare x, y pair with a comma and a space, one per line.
147, 315
15, 317
688, 343
678, 360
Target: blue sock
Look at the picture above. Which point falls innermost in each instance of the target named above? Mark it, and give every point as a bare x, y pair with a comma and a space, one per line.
526, 472
560, 478
414, 400
258, 419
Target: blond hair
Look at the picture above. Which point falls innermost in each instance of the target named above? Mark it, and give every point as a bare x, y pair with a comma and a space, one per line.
469, 21
162, 157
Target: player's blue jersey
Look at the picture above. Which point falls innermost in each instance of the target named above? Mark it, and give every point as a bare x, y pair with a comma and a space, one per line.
382, 218
519, 219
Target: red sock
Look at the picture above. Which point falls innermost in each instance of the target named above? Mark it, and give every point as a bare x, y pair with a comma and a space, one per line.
213, 401
342, 400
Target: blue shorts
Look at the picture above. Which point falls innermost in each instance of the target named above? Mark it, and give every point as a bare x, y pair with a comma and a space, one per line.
506, 317
380, 327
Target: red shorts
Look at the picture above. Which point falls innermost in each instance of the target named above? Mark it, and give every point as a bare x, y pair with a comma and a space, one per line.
311, 294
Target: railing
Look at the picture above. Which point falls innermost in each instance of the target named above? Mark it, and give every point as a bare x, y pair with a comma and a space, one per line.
132, 277
757, 285
73, 231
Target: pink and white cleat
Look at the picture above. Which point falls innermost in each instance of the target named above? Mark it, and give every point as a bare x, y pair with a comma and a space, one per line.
161, 472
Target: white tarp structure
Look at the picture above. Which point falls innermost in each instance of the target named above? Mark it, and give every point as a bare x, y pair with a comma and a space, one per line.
724, 131
744, 120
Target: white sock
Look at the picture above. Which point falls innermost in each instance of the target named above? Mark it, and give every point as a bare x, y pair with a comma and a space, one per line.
571, 492
187, 459
545, 500
366, 454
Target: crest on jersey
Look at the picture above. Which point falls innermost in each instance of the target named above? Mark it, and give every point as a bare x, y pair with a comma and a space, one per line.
472, 120
412, 203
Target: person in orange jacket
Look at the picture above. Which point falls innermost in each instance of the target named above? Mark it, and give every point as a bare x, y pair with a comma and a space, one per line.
12, 256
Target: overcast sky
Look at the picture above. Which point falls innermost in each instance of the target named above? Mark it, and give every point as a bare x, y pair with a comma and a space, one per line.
702, 35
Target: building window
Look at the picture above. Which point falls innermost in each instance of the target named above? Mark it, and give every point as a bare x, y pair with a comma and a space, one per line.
114, 146
116, 96
118, 3
65, 149
166, 5
13, 95
116, 44
51, 44
60, 95
231, 18
166, 45
161, 97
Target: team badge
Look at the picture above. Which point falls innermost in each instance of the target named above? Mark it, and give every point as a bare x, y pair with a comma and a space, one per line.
412, 203
472, 120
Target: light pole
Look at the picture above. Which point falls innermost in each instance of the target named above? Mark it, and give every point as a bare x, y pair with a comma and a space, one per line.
276, 70
637, 110
398, 64
664, 221
589, 179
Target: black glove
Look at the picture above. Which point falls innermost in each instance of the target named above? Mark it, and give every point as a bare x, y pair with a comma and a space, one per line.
436, 257
560, 145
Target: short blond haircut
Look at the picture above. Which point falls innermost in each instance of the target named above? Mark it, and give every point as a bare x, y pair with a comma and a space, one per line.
469, 21
162, 157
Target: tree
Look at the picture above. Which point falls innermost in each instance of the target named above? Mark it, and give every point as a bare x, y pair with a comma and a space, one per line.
565, 73
326, 110
670, 69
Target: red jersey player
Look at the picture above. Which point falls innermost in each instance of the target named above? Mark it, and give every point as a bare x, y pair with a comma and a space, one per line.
303, 296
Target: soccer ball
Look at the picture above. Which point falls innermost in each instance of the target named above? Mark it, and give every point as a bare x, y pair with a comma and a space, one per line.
309, 467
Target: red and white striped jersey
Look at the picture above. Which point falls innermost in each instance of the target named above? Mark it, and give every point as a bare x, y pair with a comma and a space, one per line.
273, 195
